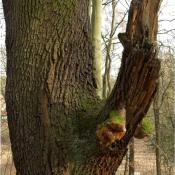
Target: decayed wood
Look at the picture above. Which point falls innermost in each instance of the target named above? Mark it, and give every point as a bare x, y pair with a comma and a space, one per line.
138, 76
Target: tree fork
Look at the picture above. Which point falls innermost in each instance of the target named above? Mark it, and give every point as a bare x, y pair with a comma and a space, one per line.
51, 105
136, 83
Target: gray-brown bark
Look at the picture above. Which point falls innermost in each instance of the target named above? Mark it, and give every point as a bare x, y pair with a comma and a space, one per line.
50, 93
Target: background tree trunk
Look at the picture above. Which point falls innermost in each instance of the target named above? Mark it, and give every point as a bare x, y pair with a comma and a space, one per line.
131, 157
106, 76
96, 43
50, 94
126, 164
157, 133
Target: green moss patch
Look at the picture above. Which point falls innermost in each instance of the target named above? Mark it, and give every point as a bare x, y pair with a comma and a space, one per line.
116, 118
147, 126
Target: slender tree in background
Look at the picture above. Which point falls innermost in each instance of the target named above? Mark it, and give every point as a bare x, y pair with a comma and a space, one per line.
108, 40
106, 76
96, 43
157, 133
126, 164
90, 10
53, 110
131, 157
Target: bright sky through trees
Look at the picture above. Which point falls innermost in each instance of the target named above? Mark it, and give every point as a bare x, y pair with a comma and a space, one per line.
167, 13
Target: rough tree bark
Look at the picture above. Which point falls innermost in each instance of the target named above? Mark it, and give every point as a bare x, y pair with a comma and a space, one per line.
52, 107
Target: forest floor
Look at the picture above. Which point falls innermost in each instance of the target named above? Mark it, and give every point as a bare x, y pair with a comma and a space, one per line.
145, 159
6, 163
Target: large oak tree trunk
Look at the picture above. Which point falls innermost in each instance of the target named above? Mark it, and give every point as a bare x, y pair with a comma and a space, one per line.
49, 75
50, 94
